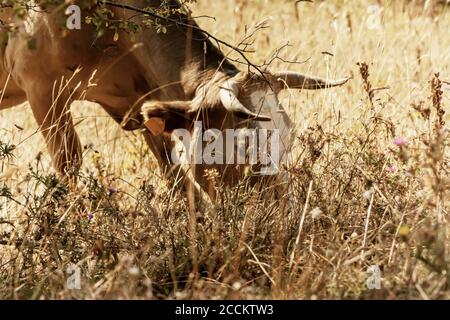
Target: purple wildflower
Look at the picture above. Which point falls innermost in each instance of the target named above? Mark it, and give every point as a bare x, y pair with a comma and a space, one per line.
392, 169
112, 190
400, 141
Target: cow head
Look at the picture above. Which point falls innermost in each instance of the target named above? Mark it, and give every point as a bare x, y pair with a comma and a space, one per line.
245, 100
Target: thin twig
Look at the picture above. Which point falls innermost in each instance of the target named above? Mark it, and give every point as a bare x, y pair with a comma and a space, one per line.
300, 227
366, 227
184, 24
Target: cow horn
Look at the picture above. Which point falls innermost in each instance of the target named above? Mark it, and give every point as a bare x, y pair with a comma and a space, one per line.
296, 80
228, 96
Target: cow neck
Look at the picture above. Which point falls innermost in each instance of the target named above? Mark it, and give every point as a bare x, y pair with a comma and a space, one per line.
180, 60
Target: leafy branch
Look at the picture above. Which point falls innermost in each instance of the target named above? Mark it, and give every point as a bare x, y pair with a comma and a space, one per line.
184, 22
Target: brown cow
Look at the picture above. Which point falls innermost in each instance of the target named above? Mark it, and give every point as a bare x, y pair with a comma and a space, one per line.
169, 79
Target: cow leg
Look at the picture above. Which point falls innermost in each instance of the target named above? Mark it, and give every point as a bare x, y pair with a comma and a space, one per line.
179, 176
10, 94
161, 149
55, 122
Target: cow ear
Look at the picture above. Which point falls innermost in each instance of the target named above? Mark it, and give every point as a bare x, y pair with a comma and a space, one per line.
165, 116
155, 125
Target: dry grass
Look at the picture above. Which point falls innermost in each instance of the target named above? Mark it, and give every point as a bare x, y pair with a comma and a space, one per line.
356, 198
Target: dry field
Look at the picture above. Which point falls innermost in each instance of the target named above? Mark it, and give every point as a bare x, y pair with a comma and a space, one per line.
369, 185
